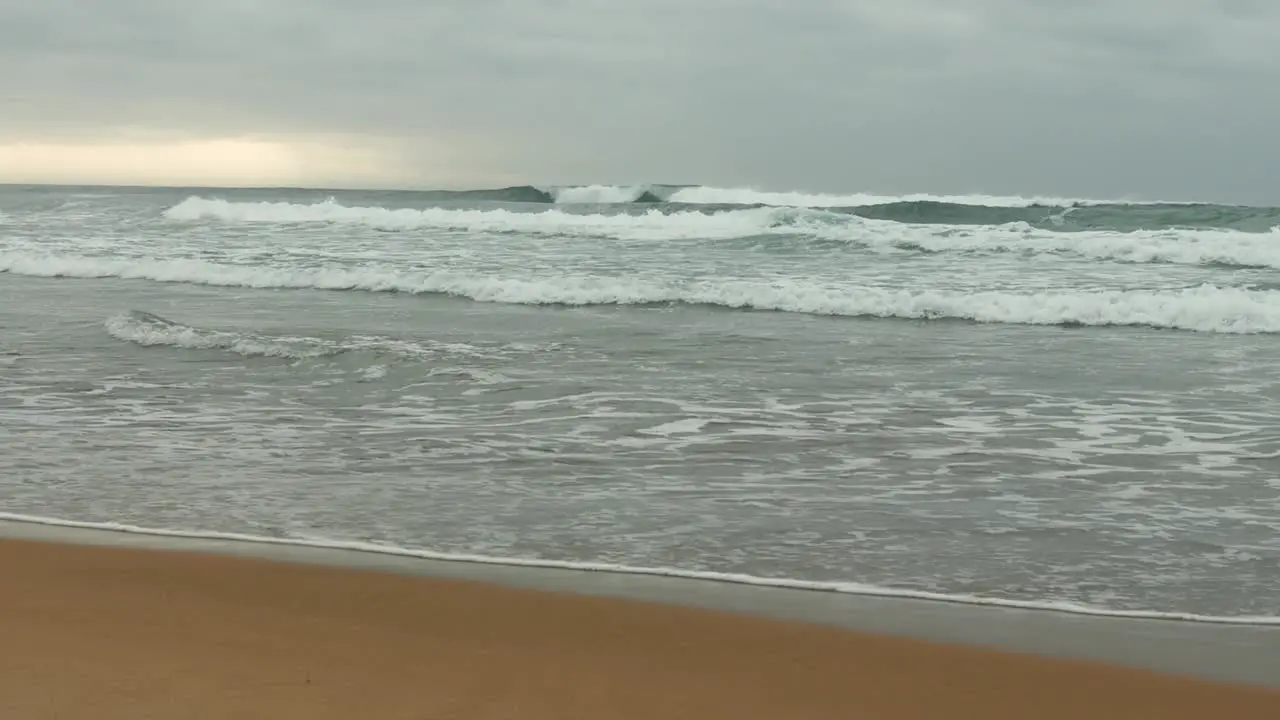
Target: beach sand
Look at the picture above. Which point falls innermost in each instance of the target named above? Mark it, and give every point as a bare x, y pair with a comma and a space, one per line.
104, 633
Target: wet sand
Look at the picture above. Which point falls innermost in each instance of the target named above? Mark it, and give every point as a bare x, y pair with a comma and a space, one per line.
103, 632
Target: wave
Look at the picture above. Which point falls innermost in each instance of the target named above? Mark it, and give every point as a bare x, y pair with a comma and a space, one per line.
147, 329
1110, 217
651, 224
1185, 247
515, 194
746, 196
567, 194
844, 587
1203, 247
599, 194
604, 194
1046, 212
710, 195
1205, 309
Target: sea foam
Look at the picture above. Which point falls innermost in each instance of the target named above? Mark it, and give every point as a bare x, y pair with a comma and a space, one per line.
1205, 308
791, 225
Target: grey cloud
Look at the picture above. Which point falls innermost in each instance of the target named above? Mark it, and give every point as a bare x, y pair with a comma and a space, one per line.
1171, 98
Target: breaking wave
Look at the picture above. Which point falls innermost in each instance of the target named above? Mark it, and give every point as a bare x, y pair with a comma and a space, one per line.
1184, 247
654, 223
1206, 308
605, 194
707, 195
1048, 212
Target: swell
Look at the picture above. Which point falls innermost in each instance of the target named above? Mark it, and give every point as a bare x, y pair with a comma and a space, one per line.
575, 194
844, 587
1205, 309
646, 222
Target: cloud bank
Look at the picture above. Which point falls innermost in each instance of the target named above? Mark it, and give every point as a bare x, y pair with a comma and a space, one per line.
1173, 98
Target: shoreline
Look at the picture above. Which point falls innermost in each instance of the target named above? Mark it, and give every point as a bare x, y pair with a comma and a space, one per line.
833, 586
1231, 653
108, 632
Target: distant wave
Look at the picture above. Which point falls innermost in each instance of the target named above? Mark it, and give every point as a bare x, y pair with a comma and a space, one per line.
1206, 308
1202, 247
651, 224
704, 195
1110, 217
565, 194
837, 586
1195, 247
725, 220
745, 196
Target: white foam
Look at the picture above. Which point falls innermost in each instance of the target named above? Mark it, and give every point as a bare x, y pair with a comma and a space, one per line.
652, 224
687, 426
1180, 247
1206, 308
851, 588
373, 372
599, 194
710, 195
1184, 247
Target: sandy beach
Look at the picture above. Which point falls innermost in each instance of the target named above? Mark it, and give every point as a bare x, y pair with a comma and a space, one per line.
96, 632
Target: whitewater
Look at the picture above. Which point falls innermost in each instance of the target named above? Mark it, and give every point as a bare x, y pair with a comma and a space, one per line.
1062, 403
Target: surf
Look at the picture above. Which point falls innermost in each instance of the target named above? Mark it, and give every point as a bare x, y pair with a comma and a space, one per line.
1205, 308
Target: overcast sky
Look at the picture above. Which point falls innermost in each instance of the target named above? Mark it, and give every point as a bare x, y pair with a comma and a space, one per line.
1173, 99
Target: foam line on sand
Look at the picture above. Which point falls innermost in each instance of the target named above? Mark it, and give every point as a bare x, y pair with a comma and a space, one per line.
111, 633
736, 578
1235, 654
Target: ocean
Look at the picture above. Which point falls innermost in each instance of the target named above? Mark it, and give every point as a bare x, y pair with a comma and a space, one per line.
1035, 402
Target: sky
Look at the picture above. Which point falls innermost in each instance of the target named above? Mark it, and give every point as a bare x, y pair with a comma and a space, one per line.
1154, 99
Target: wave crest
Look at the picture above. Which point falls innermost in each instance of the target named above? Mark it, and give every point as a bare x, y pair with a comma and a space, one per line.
605, 194
711, 195
650, 224
1183, 247
1206, 308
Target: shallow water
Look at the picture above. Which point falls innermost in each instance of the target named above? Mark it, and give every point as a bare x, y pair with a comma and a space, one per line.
745, 391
